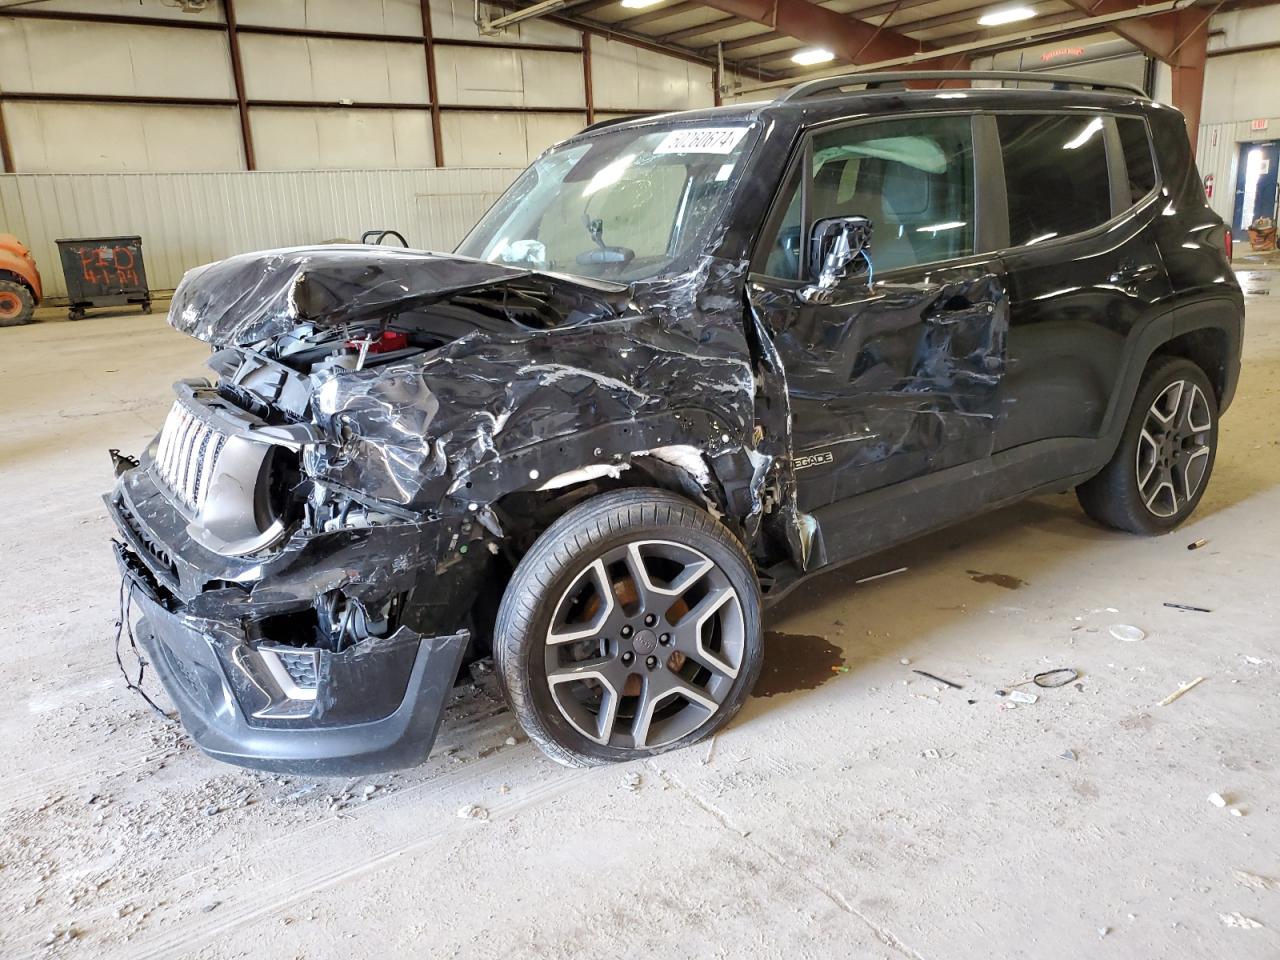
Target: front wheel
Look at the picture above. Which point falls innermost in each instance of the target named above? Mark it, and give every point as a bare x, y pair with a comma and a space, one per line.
1162, 466
630, 628
17, 306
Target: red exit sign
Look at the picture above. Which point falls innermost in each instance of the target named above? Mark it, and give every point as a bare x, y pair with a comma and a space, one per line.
1257, 124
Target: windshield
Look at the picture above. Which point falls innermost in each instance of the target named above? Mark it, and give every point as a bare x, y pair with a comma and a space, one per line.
624, 205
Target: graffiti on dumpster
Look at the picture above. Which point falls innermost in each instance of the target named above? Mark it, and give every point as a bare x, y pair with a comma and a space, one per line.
109, 266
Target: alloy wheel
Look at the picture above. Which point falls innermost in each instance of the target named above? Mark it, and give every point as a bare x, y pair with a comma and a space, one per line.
1173, 448
645, 645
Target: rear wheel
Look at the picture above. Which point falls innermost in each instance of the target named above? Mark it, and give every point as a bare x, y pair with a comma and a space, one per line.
630, 628
17, 305
1162, 466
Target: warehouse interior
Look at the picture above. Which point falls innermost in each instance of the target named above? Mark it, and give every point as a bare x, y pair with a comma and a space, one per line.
880, 794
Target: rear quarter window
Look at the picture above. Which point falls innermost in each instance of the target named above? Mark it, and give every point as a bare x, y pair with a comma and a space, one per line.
1138, 158
1056, 175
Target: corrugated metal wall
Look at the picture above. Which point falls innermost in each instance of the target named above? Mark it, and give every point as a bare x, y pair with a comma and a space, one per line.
186, 219
1218, 155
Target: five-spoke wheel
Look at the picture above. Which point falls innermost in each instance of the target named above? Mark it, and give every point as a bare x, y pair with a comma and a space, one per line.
1173, 448
632, 626
1162, 464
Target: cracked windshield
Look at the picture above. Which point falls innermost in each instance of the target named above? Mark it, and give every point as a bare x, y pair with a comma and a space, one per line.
626, 205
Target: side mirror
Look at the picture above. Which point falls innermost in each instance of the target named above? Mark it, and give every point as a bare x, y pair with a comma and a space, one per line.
836, 244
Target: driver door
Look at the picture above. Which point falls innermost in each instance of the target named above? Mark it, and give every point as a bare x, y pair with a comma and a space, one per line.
899, 375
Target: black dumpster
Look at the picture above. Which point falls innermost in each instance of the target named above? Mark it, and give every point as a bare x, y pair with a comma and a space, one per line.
103, 272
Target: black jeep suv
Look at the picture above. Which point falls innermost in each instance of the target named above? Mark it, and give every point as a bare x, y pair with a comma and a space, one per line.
686, 361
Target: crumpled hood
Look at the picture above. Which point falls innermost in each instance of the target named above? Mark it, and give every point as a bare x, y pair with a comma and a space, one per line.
254, 296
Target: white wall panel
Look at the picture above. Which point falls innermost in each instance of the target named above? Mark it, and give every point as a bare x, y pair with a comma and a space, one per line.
296, 138
503, 139
55, 56
91, 137
310, 68
152, 9
455, 19
509, 78
626, 77
188, 219
396, 17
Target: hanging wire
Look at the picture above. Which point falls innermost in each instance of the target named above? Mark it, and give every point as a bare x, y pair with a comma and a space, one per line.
124, 627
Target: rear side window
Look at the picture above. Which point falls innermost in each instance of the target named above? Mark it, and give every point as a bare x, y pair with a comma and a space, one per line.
1055, 170
1138, 160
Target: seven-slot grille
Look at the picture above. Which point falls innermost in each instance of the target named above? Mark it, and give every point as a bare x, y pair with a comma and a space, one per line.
187, 455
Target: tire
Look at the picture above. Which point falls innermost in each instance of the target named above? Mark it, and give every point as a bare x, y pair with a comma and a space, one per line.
1162, 466
662, 660
17, 305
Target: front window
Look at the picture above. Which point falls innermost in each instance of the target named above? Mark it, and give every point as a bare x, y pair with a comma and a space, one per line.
913, 178
621, 206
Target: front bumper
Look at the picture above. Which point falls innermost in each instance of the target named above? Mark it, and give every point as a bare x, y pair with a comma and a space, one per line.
376, 706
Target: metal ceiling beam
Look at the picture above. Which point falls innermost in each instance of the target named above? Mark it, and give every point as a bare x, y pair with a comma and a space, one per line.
643, 41
689, 33
850, 39
1152, 39
987, 45
745, 43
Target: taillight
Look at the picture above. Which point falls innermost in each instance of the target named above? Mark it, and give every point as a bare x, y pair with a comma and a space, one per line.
1228, 241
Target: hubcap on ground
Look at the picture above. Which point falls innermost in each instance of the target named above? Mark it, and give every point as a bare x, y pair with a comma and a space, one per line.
1173, 448
644, 645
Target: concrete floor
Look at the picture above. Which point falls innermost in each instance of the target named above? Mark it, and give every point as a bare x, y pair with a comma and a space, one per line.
867, 813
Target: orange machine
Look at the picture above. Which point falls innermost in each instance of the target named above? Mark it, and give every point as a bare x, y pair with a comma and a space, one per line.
20, 288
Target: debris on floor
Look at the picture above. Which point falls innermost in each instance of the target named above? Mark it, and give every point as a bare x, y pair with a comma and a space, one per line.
1252, 880
472, 811
632, 781
1196, 544
1180, 691
1068, 755
949, 683
1218, 800
1060, 677
1187, 606
1239, 921
881, 576
1017, 696
1128, 632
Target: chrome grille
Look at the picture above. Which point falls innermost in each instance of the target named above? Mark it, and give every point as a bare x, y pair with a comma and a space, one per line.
187, 455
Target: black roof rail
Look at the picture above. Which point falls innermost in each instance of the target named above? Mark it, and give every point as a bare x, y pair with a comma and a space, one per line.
897, 79
601, 124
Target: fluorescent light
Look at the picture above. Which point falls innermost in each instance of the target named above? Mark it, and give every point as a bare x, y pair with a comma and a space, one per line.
807, 58
639, 4
996, 18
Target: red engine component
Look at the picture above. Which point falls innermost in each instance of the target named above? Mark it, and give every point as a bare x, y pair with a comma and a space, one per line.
385, 342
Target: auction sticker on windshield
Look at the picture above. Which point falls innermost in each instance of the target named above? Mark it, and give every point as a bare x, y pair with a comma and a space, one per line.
701, 140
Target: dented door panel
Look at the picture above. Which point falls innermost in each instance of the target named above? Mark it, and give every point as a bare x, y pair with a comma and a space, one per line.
891, 383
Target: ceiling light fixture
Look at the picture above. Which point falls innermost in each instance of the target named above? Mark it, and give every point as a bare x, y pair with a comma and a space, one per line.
639, 4
998, 18
807, 58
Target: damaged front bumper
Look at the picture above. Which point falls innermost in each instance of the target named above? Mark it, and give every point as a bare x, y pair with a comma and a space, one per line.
215, 630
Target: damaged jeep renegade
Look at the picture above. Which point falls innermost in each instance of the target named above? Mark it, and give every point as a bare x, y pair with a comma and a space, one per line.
683, 363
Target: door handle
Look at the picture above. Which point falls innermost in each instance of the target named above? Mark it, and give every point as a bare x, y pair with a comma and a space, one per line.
1134, 273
